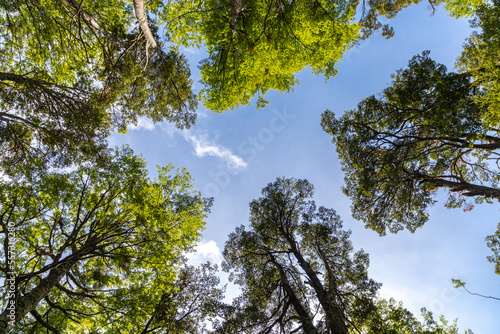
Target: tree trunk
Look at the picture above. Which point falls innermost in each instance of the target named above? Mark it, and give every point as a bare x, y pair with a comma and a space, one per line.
334, 317
238, 7
465, 188
140, 13
305, 318
28, 302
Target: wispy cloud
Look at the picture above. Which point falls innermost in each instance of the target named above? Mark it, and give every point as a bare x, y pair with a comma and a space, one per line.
201, 144
203, 148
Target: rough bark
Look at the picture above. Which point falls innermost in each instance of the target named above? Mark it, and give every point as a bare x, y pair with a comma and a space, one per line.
238, 7
465, 188
468, 189
28, 302
334, 316
305, 319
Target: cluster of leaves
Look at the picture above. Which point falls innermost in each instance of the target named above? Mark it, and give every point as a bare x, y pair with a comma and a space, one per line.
424, 132
463, 8
191, 303
71, 73
255, 46
392, 317
493, 242
99, 245
481, 60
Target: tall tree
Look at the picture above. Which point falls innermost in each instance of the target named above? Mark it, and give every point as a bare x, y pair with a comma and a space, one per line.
93, 250
424, 132
296, 267
62, 58
298, 273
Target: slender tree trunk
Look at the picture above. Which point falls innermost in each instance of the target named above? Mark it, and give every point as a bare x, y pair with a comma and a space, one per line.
465, 188
305, 318
334, 317
27, 303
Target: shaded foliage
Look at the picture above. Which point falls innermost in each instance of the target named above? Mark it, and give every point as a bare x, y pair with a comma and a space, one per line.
94, 248
481, 59
60, 58
194, 300
298, 273
422, 133
296, 267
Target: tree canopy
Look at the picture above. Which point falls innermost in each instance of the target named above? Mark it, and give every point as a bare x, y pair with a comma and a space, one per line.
422, 133
296, 266
94, 249
255, 46
298, 272
481, 60
194, 301
99, 247
72, 72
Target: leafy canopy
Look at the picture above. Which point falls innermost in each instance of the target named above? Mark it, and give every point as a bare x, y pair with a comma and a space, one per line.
255, 46
71, 73
298, 272
97, 246
424, 132
481, 59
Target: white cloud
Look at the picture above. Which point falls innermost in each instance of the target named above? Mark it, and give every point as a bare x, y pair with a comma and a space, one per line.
191, 51
201, 145
169, 129
143, 123
202, 148
206, 251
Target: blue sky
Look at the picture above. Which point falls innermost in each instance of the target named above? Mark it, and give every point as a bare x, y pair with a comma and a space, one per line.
232, 156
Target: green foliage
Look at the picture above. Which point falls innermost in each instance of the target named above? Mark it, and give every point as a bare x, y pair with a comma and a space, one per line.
106, 239
295, 261
373, 10
194, 300
463, 8
493, 242
393, 318
297, 270
46, 37
60, 60
481, 60
255, 46
424, 132
45, 122
458, 283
